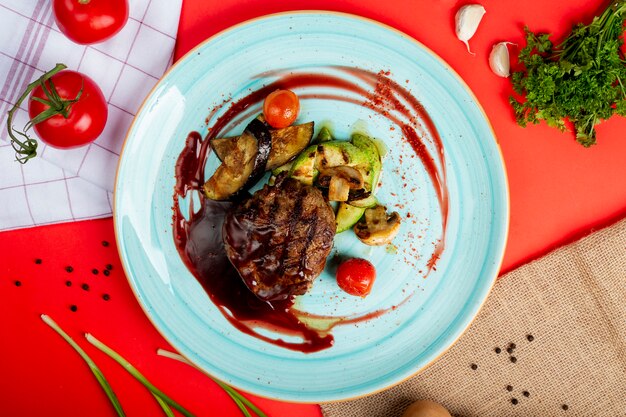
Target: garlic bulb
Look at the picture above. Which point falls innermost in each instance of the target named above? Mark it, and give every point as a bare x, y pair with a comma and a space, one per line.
499, 59
467, 20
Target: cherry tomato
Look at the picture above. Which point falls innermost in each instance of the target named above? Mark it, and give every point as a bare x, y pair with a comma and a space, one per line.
281, 108
90, 21
85, 118
356, 276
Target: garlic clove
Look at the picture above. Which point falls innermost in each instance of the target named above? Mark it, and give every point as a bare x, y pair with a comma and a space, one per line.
499, 60
467, 20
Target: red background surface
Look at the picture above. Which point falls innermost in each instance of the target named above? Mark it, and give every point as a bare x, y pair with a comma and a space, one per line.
559, 191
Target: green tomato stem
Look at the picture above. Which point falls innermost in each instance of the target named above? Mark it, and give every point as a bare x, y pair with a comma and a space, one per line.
92, 366
138, 376
26, 148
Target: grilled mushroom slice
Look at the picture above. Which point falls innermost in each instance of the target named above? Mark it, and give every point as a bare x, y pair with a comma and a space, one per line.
340, 180
376, 227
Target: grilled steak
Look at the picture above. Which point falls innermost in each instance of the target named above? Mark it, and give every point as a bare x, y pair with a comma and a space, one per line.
279, 239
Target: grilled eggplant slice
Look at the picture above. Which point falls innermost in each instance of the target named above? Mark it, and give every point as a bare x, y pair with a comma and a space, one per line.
234, 171
259, 130
243, 165
286, 144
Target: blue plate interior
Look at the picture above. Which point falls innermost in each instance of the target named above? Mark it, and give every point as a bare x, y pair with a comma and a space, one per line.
367, 356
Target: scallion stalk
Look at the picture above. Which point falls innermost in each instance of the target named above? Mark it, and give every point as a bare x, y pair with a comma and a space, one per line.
166, 408
94, 368
241, 401
138, 376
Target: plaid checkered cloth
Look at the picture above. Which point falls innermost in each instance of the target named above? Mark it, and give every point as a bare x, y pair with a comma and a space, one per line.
76, 184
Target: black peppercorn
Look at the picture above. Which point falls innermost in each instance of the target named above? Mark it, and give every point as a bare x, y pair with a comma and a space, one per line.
530, 337
498, 350
94, 271
512, 346
106, 272
109, 266
564, 407
105, 243
514, 401
509, 350
68, 283
526, 394
38, 261
513, 359
73, 308
106, 297
85, 287
69, 268
509, 388
18, 283
474, 366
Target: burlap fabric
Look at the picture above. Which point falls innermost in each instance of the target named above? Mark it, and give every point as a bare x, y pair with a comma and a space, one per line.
572, 305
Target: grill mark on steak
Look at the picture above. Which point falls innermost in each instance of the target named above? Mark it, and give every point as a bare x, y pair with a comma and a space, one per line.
279, 239
309, 238
273, 209
293, 220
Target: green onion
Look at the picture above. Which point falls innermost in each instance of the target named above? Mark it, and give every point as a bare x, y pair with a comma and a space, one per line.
166, 409
94, 368
232, 392
164, 401
239, 399
240, 405
138, 376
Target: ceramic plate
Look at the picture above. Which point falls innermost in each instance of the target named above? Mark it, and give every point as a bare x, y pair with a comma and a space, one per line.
432, 309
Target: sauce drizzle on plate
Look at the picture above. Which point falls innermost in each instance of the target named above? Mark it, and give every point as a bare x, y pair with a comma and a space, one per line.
198, 235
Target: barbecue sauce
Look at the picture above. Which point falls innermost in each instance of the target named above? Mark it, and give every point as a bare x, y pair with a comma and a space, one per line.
198, 235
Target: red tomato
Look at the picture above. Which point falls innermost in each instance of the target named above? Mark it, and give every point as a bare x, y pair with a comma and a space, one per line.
85, 118
281, 108
90, 21
356, 276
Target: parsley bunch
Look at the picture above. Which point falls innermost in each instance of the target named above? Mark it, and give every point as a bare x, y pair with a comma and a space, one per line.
582, 79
